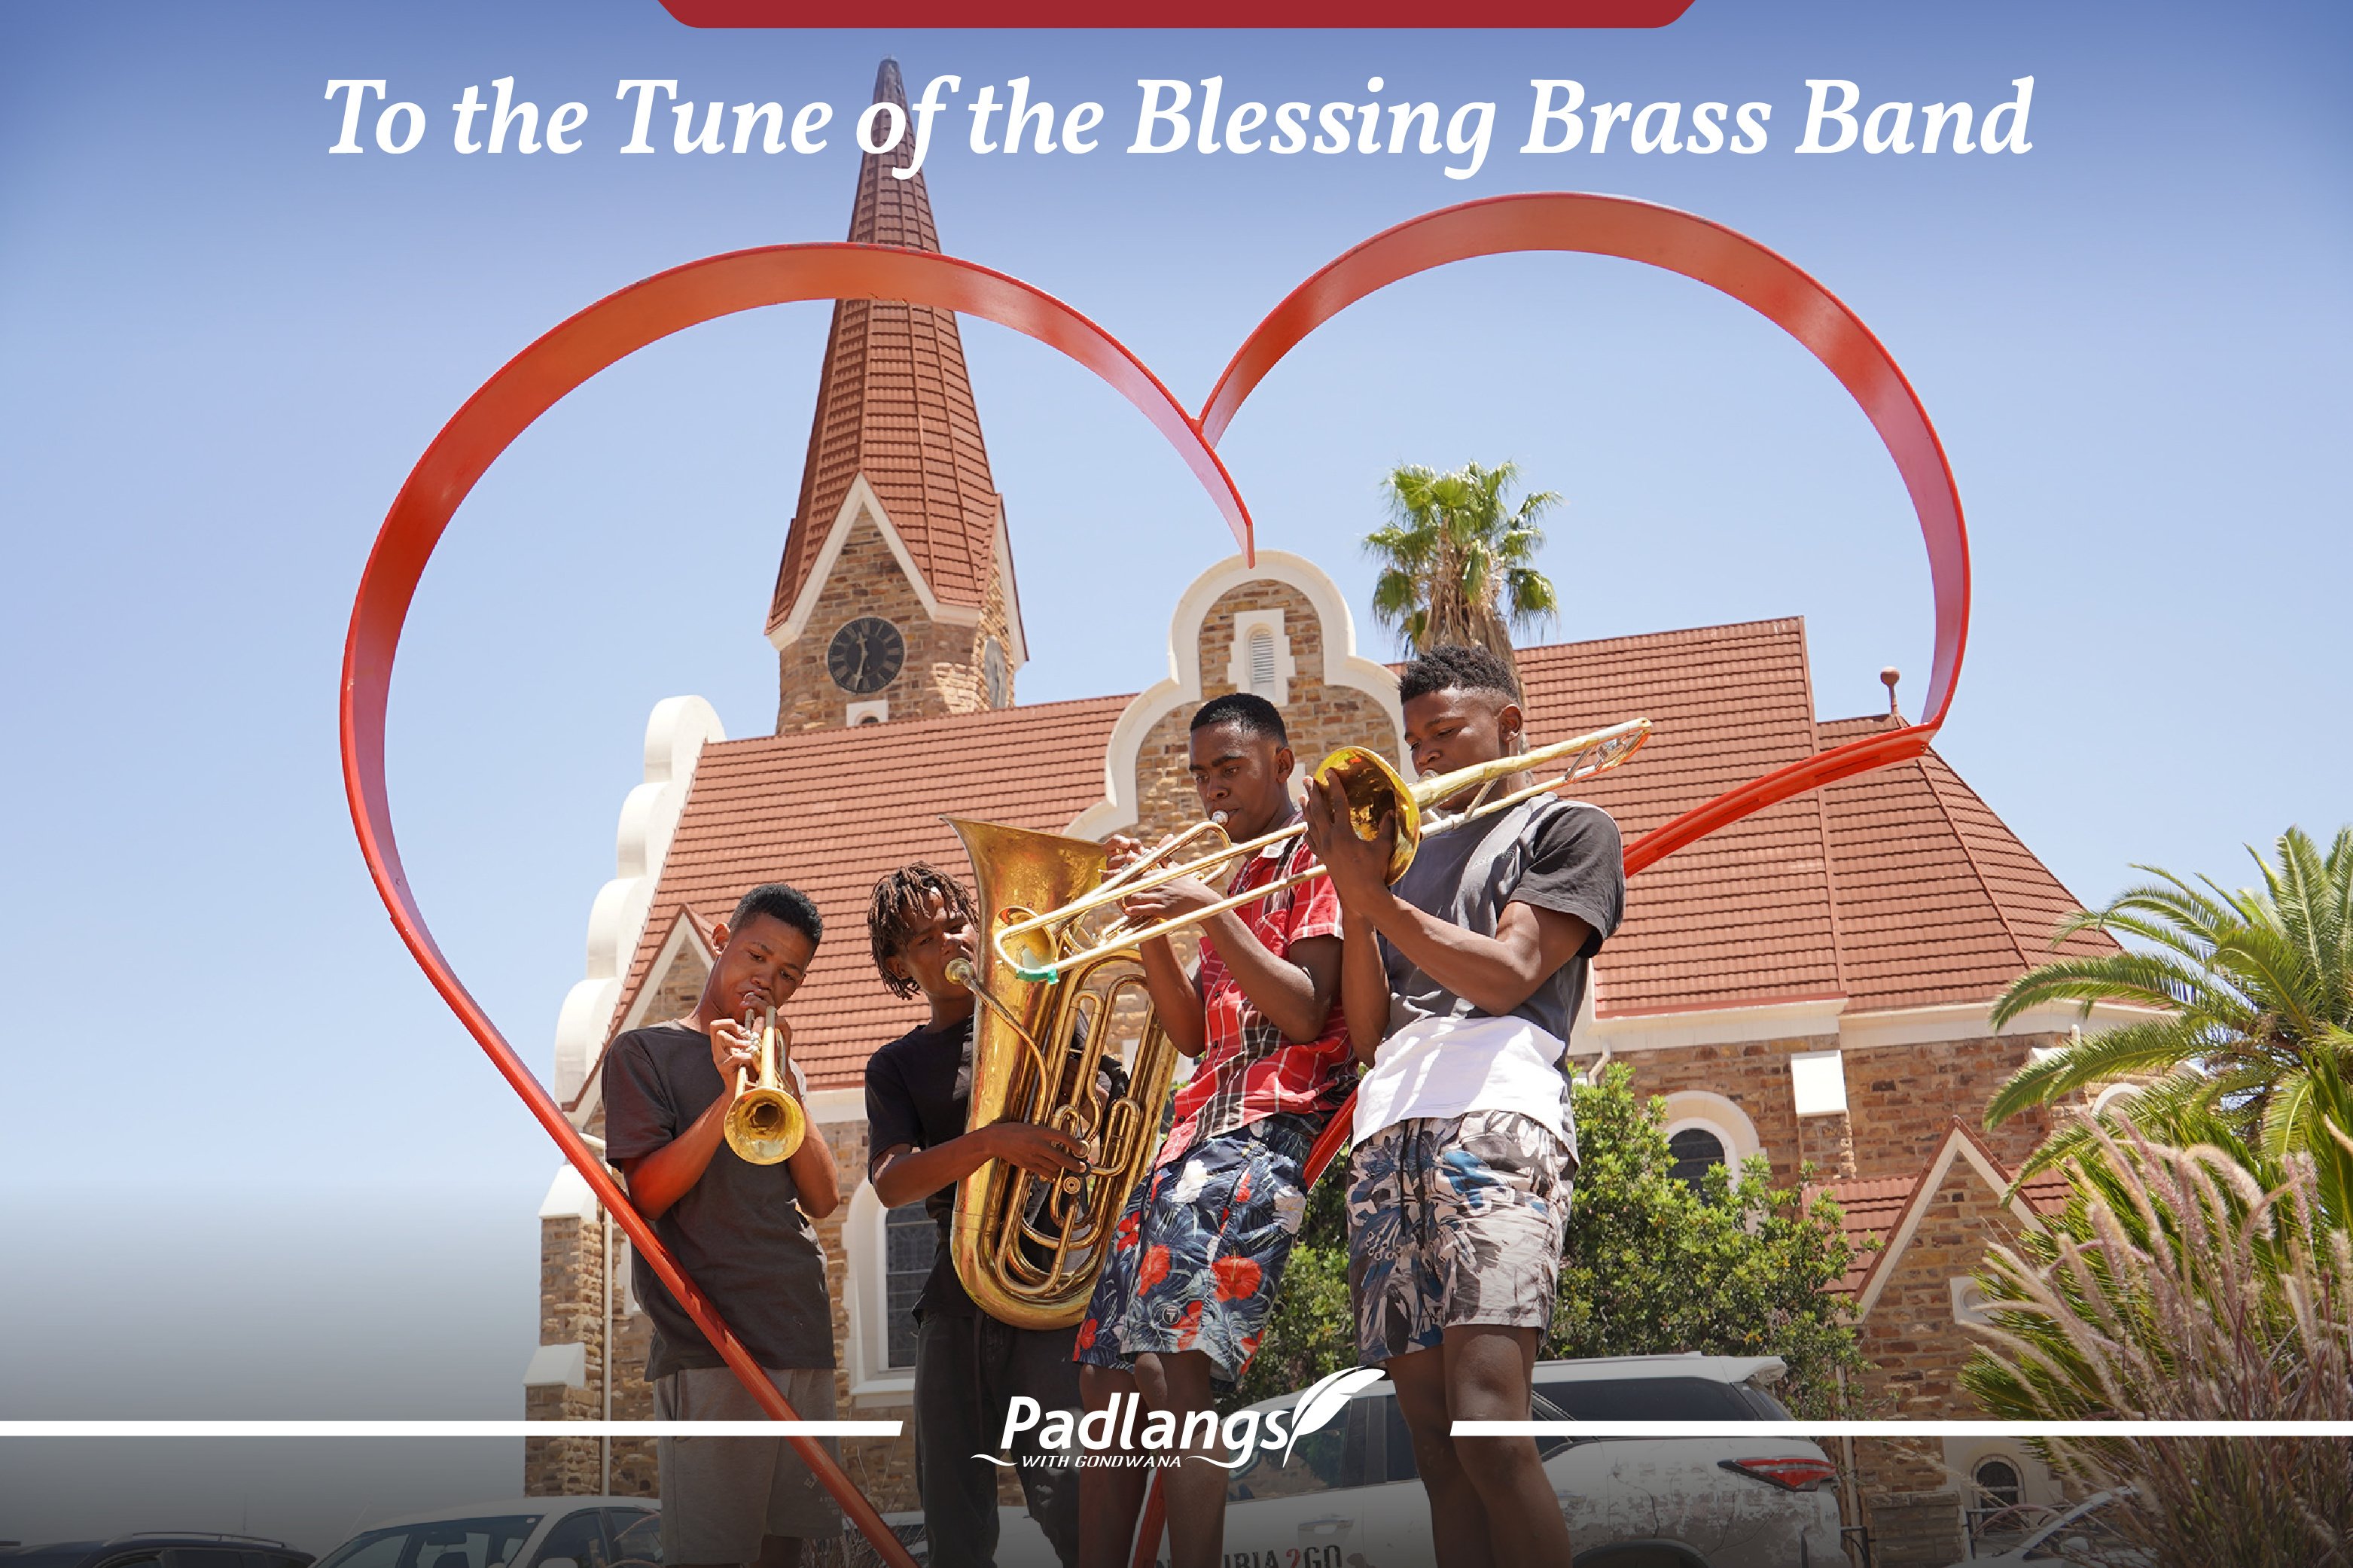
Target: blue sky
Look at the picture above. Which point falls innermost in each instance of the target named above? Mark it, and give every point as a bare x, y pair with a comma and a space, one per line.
221, 348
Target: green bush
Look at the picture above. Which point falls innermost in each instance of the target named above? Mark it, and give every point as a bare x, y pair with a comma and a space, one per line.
1733, 1266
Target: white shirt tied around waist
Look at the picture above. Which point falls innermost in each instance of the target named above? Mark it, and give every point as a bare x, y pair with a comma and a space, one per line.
1437, 1068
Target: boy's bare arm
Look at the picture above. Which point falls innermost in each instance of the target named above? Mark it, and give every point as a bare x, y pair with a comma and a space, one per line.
814, 1175
903, 1173
659, 1179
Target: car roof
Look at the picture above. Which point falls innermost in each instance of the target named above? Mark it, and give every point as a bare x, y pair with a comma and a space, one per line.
1759, 1370
500, 1507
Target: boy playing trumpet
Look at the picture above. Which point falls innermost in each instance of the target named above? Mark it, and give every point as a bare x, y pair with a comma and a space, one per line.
743, 1232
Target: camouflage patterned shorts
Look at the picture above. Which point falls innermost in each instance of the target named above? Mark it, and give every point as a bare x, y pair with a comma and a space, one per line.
1454, 1222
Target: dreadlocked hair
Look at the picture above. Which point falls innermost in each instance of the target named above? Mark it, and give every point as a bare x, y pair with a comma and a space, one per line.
898, 903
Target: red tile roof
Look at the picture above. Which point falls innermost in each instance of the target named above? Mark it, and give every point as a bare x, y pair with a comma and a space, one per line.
1900, 889
1743, 915
1869, 1213
1873, 1211
1937, 899
894, 402
1896, 889
830, 811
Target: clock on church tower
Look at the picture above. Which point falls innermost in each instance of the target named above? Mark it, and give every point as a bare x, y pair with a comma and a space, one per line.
865, 655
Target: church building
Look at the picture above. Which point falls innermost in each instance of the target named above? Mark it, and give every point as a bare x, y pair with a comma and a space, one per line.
1811, 984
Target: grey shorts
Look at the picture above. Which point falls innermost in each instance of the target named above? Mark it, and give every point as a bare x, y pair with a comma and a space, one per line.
1453, 1223
721, 1495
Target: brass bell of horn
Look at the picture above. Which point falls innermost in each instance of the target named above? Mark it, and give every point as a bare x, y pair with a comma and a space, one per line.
766, 1124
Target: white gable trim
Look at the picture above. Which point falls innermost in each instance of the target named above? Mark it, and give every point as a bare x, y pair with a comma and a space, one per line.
1957, 1145
1016, 641
1812, 1018
676, 732
861, 502
1118, 810
1974, 1021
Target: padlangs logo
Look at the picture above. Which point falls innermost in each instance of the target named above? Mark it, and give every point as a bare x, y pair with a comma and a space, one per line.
1110, 1438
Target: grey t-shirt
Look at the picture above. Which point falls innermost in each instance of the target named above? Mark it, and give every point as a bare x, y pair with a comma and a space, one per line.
739, 1232
1548, 852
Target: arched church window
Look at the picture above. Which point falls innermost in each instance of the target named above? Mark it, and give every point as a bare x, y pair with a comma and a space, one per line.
1694, 1149
1998, 1483
994, 671
1261, 661
910, 1242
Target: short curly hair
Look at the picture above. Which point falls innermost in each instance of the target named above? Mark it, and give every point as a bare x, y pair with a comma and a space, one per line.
898, 903
1456, 667
780, 901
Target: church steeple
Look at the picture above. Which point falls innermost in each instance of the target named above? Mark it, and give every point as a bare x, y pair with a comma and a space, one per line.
899, 520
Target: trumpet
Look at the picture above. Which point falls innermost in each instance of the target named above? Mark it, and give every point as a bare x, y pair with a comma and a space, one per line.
766, 1124
1034, 946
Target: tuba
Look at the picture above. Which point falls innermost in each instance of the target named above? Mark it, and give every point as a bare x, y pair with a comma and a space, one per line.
1027, 1248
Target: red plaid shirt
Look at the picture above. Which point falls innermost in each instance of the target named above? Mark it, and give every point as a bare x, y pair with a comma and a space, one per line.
1249, 1070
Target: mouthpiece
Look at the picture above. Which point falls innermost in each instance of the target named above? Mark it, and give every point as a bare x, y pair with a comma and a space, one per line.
1219, 817
960, 970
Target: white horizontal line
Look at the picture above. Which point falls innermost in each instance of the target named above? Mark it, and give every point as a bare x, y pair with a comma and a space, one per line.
449, 1428
1904, 1429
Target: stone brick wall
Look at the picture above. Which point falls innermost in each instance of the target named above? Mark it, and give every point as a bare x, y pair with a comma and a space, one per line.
942, 670
681, 986
1318, 718
1901, 1100
1914, 1347
1916, 1529
571, 1261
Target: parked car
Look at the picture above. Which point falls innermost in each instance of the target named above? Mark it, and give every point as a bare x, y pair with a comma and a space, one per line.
159, 1549
2080, 1537
1350, 1496
525, 1533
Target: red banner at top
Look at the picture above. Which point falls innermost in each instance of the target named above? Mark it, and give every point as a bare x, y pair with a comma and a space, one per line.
1184, 13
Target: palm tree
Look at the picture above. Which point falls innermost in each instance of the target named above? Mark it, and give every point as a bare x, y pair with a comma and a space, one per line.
1458, 566
2256, 988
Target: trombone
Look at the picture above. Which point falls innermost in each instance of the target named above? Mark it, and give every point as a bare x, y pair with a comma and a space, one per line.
766, 1124
1372, 788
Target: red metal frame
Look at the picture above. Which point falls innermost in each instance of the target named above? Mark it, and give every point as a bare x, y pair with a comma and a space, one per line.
621, 324
526, 387
1776, 290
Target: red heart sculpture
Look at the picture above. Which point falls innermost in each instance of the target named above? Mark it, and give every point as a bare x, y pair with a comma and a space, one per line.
621, 324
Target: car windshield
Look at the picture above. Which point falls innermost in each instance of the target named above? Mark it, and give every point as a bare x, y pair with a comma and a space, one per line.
485, 1543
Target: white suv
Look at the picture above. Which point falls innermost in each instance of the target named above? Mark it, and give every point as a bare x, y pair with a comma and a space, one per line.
1350, 1497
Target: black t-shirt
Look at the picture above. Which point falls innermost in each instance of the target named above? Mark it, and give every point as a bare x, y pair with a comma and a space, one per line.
1554, 854
918, 1092
739, 1232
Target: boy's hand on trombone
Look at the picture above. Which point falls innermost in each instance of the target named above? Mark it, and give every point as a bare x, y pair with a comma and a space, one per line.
1358, 867
1169, 899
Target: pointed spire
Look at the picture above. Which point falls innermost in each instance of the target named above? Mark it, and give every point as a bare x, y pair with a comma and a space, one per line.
895, 404
890, 210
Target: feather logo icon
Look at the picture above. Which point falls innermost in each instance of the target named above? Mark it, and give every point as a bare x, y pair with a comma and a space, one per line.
1325, 1401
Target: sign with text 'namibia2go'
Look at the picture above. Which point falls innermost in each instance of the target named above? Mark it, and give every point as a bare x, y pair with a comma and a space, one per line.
1184, 13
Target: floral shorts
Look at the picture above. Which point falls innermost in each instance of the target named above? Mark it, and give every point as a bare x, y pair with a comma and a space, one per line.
1454, 1222
1200, 1250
